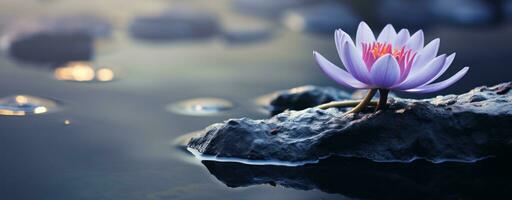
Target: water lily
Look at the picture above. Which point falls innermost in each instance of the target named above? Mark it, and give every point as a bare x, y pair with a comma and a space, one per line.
392, 61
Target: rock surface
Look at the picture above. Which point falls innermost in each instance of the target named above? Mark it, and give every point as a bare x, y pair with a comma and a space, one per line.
303, 97
464, 128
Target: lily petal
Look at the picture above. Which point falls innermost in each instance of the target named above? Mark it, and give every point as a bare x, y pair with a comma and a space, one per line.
447, 64
401, 38
441, 85
387, 35
340, 37
353, 61
416, 41
337, 74
425, 55
385, 72
425, 74
364, 34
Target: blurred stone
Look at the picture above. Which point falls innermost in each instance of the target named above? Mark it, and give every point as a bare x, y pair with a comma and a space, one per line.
446, 128
240, 30
321, 18
303, 97
55, 40
49, 45
462, 12
403, 13
175, 24
267, 8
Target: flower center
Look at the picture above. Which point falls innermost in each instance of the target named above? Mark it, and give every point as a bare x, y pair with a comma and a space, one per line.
373, 51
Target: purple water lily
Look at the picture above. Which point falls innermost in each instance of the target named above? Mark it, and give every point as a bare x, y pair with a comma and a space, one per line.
393, 61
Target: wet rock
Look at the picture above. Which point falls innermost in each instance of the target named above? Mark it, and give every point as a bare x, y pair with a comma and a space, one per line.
462, 12
445, 128
303, 97
267, 8
175, 24
321, 18
55, 40
403, 13
364, 179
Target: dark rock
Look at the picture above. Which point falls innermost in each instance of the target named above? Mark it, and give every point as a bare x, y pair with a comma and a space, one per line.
52, 47
321, 18
55, 40
303, 97
364, 179
175, 24
449, 128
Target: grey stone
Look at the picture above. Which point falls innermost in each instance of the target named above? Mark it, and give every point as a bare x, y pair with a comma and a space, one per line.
175, 24
445, 128
55, 40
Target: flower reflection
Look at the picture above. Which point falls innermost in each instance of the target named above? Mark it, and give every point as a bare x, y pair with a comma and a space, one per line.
83, 72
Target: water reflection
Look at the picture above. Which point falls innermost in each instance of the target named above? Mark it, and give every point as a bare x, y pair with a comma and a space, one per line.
201, 106
83, 72
20, 105
365, 179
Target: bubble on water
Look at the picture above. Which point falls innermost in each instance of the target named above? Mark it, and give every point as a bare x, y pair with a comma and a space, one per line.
200, 106
20, 105
83, 72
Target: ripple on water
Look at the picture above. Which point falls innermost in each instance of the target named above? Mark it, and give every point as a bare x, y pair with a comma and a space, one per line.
83, 72
20, 105
200, 106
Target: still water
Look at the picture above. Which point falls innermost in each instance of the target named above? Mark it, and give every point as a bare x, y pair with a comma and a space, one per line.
111, 123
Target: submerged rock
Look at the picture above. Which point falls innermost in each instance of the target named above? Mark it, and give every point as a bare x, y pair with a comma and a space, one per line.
462, 128
303, 97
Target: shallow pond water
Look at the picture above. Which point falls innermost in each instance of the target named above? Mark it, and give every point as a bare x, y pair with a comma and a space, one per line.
114, 139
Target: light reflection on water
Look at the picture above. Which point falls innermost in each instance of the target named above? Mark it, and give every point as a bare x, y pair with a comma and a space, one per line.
201, 106
83, 72
20, 105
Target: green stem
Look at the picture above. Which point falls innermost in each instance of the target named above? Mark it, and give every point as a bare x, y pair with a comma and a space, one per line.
359, 105
344, 103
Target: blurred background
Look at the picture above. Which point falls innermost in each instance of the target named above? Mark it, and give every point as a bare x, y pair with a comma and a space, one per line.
93, 92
